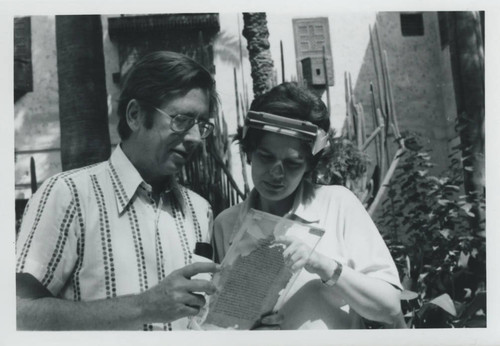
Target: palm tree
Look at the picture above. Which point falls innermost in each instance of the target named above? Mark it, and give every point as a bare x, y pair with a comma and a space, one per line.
256, 32
83, 109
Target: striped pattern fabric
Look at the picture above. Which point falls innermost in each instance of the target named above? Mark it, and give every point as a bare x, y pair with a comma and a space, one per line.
95, 233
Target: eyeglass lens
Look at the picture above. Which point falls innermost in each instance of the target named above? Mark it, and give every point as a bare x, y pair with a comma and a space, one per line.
183, 123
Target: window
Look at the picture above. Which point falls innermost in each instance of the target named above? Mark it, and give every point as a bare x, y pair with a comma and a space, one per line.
319, 29
412, 24
302, 30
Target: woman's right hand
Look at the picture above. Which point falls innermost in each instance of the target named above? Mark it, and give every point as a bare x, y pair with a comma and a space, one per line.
298, 255
271, 321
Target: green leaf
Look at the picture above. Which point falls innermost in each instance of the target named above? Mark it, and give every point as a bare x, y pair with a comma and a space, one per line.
408, 295
452, 187
444, 302
463, 260
467, 207
445, 233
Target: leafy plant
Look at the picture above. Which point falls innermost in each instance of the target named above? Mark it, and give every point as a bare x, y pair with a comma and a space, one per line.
431, 229
343, 162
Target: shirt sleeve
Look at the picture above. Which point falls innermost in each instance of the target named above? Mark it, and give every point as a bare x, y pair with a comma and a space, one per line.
367, 250
46, 246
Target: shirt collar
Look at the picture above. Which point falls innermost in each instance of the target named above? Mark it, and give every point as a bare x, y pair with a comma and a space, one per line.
304, 205
126, 179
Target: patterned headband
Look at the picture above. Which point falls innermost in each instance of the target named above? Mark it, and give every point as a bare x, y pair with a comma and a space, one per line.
303, 130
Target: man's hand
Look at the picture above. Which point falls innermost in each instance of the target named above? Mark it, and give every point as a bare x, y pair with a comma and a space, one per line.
174, 297
178, 295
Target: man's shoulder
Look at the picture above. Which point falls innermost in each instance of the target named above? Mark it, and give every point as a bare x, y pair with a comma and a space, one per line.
75, 178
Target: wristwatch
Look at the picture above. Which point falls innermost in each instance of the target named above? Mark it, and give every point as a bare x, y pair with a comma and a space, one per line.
335, 276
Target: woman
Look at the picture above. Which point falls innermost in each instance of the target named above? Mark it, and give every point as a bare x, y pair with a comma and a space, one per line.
351, 272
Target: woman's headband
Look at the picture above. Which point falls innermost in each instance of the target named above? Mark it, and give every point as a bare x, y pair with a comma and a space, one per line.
303, 130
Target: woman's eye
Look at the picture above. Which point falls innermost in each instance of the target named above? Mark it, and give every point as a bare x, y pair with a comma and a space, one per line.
293, 164
264, 156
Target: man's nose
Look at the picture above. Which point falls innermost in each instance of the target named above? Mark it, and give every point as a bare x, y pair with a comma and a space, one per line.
277, 170
192, 137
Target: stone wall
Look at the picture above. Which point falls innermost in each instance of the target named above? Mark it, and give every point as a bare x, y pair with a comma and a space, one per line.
422, 83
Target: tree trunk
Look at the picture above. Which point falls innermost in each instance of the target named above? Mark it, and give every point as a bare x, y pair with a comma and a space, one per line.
83, 109
470, 55
467, 52
256, 32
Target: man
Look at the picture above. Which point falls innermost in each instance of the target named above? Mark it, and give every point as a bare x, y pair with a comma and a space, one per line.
110, 246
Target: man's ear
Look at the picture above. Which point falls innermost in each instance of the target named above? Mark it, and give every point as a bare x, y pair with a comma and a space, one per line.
134, 115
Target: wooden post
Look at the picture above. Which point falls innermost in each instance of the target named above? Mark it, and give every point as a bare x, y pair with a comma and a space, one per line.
393, 117
242, 155
34, 184
377, 77
243, 84
282, 63
385, 183
326, 81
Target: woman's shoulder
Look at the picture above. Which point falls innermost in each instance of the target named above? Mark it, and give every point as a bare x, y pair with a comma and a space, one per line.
337, 192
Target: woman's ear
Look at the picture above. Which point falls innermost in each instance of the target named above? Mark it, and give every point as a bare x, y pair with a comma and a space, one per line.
134, 115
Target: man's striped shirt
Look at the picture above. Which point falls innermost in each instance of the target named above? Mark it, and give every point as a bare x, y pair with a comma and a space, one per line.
96, 232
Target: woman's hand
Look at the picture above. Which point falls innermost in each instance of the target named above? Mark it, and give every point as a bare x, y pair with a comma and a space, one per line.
370, 297
271, 321
297, 256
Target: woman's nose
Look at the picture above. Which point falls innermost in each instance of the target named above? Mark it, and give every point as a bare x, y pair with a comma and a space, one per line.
277, 170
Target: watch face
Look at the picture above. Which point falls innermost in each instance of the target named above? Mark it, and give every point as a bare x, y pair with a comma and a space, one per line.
330, 282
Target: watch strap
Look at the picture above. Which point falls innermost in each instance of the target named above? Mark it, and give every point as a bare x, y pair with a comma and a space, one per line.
335, 276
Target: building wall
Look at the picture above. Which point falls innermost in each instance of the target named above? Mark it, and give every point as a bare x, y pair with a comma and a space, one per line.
421, 80
36, 114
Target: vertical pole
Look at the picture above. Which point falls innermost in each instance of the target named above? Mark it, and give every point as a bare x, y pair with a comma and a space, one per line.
282, 63
375, 65
243, 84
34, 185
242, 156
326, 80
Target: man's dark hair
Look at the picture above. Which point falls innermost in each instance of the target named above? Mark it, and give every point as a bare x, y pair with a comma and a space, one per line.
159, 77
286, 100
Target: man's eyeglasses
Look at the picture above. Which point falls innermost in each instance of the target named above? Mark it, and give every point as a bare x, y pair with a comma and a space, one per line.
182, 123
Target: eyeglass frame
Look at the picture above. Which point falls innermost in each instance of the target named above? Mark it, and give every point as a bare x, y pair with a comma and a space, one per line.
194, 121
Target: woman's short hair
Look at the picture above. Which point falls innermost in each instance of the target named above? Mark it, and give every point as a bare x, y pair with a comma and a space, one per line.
286, 100
159, 77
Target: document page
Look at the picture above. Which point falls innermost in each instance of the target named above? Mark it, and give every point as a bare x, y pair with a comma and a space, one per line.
254, 278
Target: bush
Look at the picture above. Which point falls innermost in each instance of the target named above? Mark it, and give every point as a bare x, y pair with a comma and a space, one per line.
431, 228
